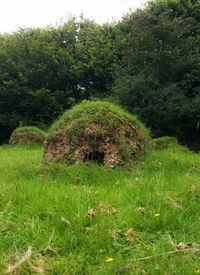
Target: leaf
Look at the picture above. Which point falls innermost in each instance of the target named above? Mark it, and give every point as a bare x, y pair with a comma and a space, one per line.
140, 210
124, 269
130, 236
194, 166
183, 246
186, 245
91, 212
63, 220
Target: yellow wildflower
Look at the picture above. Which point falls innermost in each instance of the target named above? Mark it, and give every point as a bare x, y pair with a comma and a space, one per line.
157, 215
197, 271
109, 260
111, 166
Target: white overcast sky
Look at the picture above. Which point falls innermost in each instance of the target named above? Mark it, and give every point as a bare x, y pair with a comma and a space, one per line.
39, 13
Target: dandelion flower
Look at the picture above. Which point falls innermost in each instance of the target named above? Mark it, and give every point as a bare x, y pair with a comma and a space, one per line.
109, 260
111, 166
157, 215
197, 271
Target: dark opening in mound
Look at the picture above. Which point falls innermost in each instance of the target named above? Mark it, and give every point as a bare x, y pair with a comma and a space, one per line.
98, 132
97, 157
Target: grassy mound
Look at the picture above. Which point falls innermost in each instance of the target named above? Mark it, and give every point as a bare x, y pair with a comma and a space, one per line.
167, 142
27, 135
164, 142
96, 131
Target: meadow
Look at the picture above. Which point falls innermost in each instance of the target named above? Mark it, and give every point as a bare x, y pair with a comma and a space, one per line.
88, 219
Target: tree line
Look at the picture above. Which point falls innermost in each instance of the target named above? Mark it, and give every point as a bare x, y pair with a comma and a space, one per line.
149, 63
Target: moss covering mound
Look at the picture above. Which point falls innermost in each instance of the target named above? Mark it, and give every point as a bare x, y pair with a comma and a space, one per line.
27, 135
96, 131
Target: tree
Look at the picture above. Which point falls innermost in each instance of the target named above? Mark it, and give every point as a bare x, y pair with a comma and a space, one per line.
160, 72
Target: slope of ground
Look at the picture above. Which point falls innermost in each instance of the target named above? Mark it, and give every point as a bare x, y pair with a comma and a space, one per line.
96, 220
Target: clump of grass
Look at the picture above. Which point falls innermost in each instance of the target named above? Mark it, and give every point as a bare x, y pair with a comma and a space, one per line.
95, 131
27, 135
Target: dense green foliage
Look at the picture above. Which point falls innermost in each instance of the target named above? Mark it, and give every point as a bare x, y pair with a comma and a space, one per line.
160, 73
76, 217
45, 71
149, 63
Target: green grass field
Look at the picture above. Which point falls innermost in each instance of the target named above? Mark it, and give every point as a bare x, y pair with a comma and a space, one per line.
75, 218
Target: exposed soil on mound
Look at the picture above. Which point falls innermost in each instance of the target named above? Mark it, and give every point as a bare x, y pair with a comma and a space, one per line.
26, 137
96, 143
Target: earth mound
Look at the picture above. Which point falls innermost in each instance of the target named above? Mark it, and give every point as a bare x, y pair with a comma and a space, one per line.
27, 135
96, 131
164, 142
169, 143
